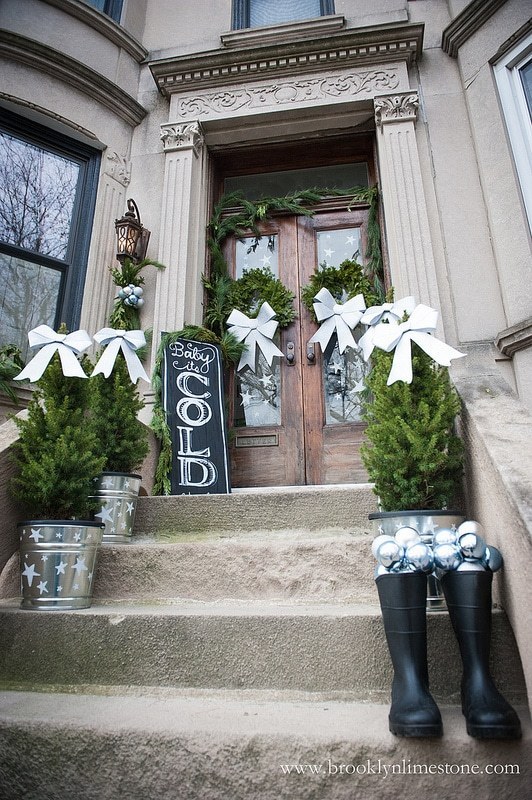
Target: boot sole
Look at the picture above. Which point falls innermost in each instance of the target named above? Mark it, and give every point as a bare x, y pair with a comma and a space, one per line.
493, 731
416, 731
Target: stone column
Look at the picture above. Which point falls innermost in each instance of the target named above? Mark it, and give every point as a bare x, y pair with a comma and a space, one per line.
99, 289
412, 266
179, 289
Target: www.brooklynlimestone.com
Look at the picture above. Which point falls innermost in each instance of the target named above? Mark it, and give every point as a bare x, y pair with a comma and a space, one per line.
404, 767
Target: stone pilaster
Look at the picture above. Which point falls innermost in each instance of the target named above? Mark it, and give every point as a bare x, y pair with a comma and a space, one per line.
412, 266
179, 289
99, 289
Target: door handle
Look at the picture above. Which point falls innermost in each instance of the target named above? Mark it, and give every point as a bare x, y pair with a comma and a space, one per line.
311, 355
290, 353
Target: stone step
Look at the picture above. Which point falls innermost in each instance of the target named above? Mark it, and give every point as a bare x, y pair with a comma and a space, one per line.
278, 566
243, 746
321, 509
231, 645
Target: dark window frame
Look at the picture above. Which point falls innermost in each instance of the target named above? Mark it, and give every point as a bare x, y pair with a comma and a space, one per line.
112, 8
73, 267
241, 12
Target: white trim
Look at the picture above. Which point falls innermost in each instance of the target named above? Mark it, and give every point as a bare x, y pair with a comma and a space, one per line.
517, 114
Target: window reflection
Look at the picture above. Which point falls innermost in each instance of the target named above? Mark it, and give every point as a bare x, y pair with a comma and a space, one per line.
37, 195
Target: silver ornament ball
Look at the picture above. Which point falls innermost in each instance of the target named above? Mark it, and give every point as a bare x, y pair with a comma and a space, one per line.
470, 526
472, 545
378, 540
470, 566
389, 553
407, 535
420, 556
138, 291
444, 536
447, 556
493, 558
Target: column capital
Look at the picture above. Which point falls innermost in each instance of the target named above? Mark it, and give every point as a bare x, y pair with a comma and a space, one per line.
182, 136
397, 107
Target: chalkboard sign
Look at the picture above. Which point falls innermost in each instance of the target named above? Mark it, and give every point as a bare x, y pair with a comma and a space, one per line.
193, 400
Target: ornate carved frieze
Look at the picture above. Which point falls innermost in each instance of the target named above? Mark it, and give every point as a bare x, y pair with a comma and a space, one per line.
401, 107
182, 136
119, 168
341, 86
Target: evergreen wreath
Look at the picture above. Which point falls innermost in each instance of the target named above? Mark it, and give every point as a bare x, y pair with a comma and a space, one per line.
257, 286
343, 282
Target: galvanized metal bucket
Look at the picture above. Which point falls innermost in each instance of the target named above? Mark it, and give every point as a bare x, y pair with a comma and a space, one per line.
57, 563
117, 494
426, 523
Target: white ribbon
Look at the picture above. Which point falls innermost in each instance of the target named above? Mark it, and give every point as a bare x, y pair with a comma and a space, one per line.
255, 333
389, 312
128, 342
418, 328
337, 317
68, 345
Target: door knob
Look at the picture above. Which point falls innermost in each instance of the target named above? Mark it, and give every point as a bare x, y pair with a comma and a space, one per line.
311, 355
290, 353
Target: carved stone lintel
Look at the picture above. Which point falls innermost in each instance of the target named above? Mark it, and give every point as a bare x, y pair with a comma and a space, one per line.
396, 108
182, 136
119, 168
337, 86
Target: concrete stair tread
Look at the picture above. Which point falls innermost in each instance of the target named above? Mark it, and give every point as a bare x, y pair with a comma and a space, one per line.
240, 745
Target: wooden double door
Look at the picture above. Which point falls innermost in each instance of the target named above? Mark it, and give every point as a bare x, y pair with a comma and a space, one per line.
298, 421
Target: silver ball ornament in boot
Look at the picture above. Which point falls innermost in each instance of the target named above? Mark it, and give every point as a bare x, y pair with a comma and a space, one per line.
447, 557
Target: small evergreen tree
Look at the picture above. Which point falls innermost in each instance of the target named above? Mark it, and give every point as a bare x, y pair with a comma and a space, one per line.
57, 453
114, 406
413, 457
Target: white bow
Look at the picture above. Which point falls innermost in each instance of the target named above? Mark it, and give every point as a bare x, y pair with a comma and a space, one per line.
255, 333
391, 312
68, 345
339, 317
128, 342
418, 328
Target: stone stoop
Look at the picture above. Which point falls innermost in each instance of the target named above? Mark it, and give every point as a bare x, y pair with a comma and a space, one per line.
234, 647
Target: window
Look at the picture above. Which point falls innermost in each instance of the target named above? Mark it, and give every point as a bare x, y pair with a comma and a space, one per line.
256, 13
113, 8
513, 74
47, 194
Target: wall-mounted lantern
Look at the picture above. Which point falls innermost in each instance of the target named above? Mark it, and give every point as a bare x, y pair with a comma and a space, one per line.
132, 237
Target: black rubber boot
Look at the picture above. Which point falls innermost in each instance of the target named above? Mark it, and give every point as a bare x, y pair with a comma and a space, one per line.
403, 599
488, 715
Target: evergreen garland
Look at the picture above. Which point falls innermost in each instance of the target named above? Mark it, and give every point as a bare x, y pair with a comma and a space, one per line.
413, 457
123, 316
234, 215
11, 363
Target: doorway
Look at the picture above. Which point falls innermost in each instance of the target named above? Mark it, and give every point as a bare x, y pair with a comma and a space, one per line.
299, 421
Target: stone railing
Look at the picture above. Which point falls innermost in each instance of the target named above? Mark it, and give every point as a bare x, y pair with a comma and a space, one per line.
497, 430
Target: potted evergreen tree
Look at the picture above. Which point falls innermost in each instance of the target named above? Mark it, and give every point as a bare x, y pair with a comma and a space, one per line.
57, 456
414, 457
114, 407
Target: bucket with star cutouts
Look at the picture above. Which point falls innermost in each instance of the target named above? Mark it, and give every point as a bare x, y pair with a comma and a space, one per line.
116, 495
58, 562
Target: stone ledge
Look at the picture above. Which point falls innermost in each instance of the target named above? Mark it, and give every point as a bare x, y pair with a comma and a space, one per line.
517, 337
46, 60
467, 23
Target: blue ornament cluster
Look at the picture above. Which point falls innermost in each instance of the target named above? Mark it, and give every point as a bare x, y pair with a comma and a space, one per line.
461, 549
131, 295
